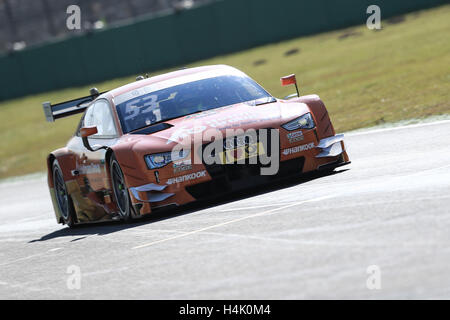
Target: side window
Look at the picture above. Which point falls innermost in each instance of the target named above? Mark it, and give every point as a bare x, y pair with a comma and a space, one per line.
80, 125
89, 120
99, 114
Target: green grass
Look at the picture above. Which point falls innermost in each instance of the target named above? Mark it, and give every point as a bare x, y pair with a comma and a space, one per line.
365, 78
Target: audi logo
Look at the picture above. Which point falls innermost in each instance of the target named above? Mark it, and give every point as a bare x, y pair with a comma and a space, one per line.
238, 141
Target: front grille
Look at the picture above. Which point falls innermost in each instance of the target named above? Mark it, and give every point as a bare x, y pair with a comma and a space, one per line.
232, 177
238, 171
230, 142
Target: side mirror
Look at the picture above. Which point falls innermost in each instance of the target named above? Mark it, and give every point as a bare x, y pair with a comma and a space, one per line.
287, 80
88, 131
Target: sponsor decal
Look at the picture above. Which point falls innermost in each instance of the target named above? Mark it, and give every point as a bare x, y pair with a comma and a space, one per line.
89, 169
187, 177
230, 119
238, 119
295, 136
184, 132
182, 166
297, 149
202, 114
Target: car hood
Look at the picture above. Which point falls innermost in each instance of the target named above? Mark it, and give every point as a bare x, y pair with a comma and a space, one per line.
240, 116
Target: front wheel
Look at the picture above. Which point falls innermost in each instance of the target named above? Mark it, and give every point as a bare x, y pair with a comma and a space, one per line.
120, 190
63, 198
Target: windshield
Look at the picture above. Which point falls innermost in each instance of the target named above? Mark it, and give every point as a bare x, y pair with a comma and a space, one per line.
187, 98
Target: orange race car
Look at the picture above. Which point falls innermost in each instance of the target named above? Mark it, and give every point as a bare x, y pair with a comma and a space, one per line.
182, 136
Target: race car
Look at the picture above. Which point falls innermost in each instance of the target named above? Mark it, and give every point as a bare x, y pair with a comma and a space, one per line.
188, 135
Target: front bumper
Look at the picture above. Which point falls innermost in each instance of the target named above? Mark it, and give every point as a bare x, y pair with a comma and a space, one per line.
327, 153
331, 147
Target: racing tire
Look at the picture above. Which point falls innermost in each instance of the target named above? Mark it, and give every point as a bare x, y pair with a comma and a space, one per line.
63, 199
120, 190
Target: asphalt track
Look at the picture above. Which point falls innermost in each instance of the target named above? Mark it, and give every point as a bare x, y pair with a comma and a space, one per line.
305, 238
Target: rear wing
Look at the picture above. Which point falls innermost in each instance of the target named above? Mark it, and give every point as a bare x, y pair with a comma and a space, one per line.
68, 108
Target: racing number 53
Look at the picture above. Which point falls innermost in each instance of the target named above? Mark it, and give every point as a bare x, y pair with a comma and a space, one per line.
133, 109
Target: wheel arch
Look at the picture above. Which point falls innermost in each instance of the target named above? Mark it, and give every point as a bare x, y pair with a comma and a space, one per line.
324, 126
109, 153
64, 158
124, 155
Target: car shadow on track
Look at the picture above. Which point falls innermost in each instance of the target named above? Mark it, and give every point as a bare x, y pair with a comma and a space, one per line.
104, 228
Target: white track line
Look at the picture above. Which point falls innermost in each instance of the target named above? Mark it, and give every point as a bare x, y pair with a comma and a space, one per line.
427, 170
233, 221
350, 133
22, 259
252, 207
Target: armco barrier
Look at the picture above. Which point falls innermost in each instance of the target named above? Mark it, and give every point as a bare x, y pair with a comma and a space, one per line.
221, 27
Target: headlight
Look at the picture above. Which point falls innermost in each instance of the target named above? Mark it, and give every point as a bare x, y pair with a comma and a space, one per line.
159, 160
304, 122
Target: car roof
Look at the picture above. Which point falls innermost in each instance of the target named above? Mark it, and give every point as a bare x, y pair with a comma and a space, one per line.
174, 75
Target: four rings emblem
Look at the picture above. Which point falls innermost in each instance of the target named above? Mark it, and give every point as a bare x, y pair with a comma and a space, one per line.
238, 141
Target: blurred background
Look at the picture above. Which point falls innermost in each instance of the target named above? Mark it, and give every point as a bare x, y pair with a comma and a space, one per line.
28, 22
366, 77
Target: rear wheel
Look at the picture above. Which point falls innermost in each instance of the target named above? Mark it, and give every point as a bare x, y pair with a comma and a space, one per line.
120, 190
63, 198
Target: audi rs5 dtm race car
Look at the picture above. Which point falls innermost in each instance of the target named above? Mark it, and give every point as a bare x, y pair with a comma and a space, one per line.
172, 139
